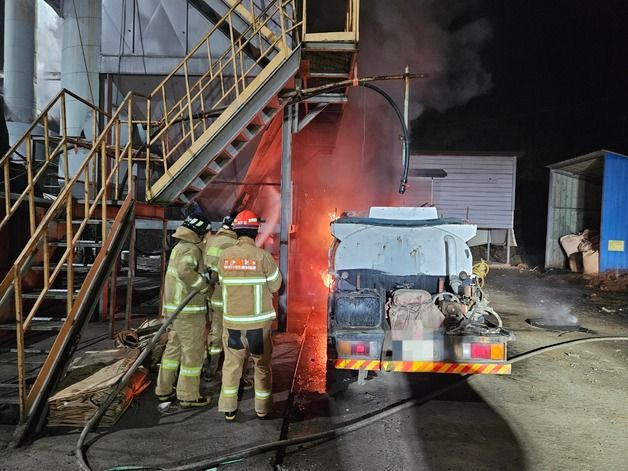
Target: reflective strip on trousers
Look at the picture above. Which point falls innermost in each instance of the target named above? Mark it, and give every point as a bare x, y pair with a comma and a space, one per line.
229, 392
169, 364
217, 303
244, 319
214, 350
190, 371
262, 394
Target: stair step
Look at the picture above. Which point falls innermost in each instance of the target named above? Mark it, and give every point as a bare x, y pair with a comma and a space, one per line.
9, 393
45, 324
56, 293
79, 243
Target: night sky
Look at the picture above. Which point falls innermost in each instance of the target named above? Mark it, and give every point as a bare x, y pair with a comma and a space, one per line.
559, 71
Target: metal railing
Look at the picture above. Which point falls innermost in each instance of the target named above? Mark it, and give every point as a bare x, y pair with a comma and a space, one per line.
351, 30
50, 136
177, 122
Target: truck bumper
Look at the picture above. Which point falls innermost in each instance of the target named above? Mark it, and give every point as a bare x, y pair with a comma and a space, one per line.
501, 368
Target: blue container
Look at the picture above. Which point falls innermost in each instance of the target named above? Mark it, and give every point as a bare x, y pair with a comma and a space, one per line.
614, 224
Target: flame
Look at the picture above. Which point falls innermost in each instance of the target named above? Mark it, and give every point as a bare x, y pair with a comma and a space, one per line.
332, 216
327, 278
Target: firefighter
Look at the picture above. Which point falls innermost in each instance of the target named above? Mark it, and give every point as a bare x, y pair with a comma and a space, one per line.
185, 350
225, 237
248, 276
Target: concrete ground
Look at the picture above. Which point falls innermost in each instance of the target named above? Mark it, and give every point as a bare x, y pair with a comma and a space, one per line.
561, 410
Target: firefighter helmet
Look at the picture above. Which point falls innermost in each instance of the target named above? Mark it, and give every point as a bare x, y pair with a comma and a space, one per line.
247, 220
197, 222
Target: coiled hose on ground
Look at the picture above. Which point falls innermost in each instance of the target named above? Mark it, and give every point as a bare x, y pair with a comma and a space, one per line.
333, 433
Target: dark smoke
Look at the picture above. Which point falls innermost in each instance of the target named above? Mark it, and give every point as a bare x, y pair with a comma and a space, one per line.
441, 38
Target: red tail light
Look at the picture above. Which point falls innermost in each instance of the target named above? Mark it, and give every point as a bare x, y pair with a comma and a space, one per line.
360, 348
481, 350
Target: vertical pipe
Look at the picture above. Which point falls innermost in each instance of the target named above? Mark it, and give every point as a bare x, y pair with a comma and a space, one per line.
19, 60
406, 108
80, 57
286, 211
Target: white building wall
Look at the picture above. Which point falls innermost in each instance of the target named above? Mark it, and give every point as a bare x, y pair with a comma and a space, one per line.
477, 188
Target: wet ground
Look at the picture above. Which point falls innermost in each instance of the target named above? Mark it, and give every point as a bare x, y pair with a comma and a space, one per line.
562, 410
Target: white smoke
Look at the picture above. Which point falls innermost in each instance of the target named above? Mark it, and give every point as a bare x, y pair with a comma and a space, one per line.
48, 52
431, 37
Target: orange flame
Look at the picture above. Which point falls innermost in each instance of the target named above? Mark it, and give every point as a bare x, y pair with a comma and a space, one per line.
327, 278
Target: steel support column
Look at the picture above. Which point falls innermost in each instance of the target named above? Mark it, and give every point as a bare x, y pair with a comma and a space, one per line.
286, 212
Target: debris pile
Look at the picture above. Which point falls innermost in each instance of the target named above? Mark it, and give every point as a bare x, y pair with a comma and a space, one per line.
583, 251
91, 379
610, 282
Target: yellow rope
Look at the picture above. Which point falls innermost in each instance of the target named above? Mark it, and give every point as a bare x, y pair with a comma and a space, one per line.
480, 270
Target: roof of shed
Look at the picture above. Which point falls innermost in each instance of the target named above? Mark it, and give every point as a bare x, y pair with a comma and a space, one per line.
588, 164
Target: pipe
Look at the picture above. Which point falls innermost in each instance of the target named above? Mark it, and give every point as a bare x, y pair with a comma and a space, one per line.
299, 95
80, 453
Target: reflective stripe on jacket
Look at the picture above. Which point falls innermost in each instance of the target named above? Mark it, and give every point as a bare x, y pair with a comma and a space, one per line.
214, 246
249, 276
183, 275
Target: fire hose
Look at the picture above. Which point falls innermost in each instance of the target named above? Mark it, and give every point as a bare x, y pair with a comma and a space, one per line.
80, 452
329, 434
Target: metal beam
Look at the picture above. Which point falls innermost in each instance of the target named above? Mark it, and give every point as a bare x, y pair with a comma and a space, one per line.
286, 212
308, 118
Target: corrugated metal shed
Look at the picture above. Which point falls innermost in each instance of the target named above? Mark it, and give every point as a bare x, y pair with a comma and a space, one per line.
479, 187
589, 192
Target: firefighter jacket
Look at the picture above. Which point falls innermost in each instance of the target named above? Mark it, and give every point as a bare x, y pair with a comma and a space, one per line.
214, 247
184, 274
249, 276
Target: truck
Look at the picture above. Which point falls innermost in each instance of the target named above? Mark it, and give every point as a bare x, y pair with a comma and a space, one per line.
403, 296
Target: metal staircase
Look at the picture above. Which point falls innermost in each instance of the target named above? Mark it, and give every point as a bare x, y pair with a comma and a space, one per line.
81, 188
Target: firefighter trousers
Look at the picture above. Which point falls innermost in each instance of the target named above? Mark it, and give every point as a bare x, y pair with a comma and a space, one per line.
185, 352
237, 344
215, 335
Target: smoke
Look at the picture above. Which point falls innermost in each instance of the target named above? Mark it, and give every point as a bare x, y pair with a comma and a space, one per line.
48, 46
442, 39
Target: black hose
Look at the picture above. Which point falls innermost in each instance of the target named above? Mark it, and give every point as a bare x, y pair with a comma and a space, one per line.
405, 145
368, 418
80, 454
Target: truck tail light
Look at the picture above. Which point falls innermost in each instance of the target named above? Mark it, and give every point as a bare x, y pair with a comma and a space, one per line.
487, 351
357, 348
